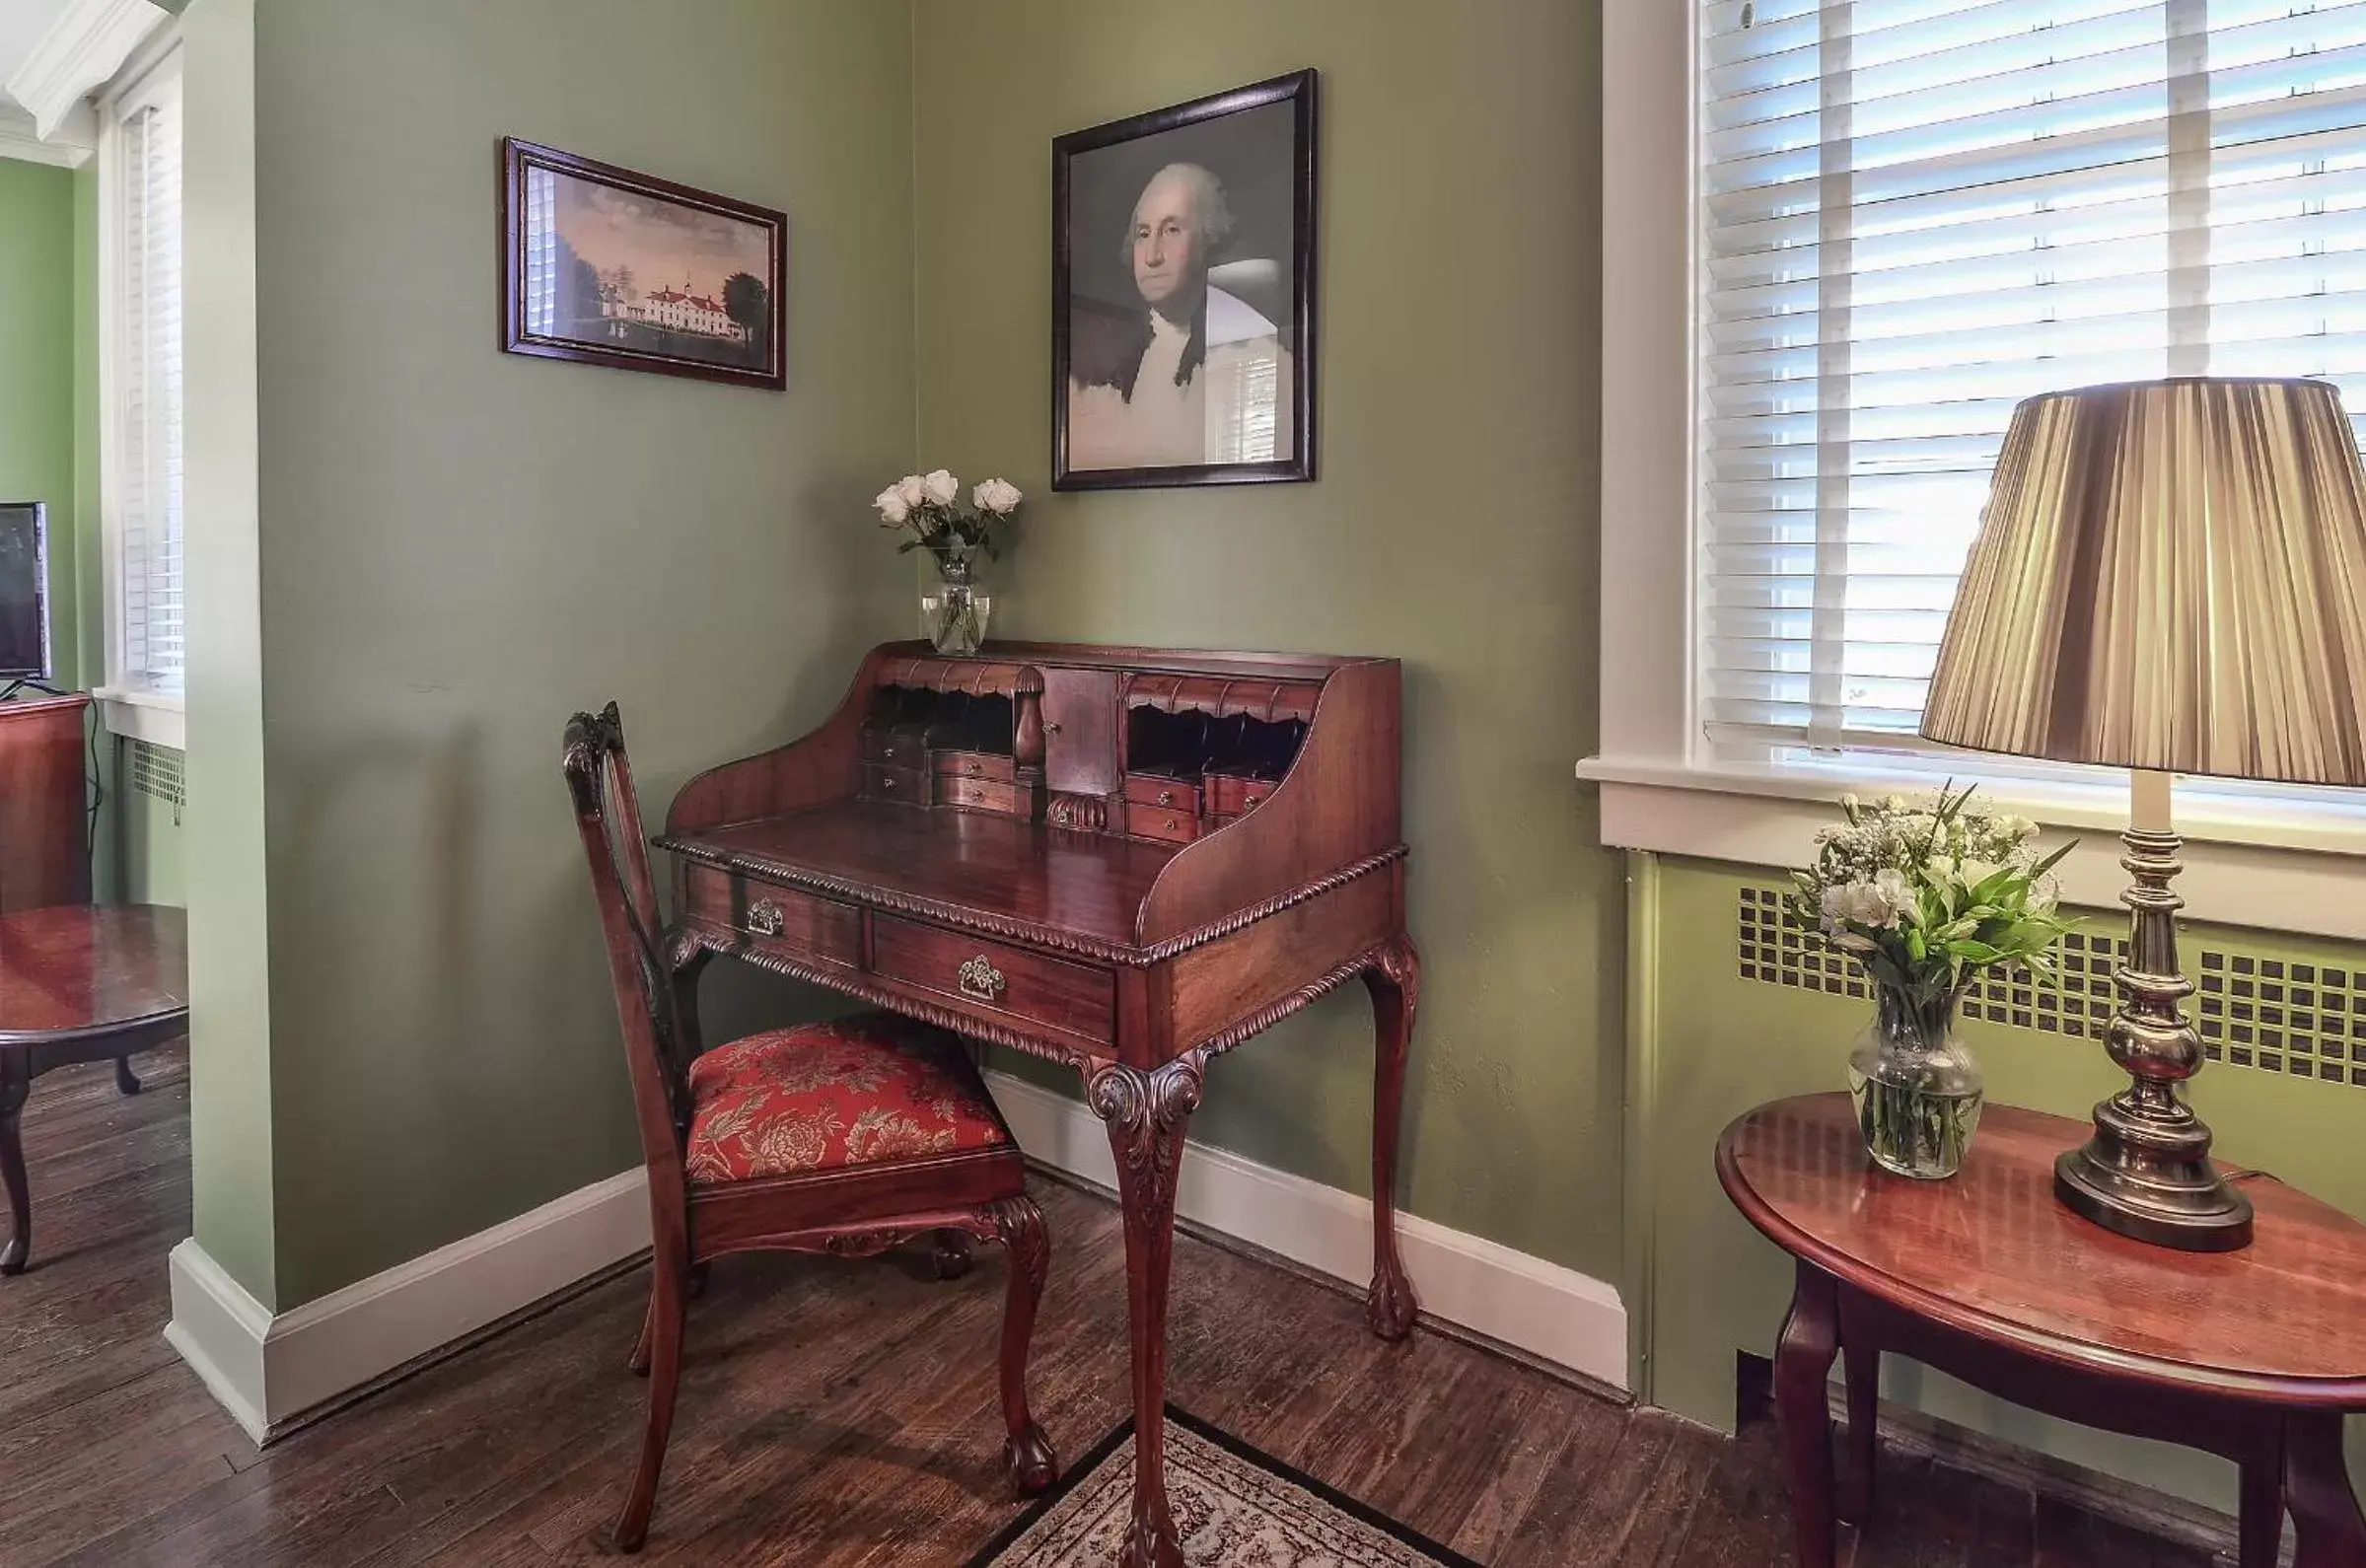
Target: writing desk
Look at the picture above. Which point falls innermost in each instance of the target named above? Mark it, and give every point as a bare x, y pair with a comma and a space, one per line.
1130, 860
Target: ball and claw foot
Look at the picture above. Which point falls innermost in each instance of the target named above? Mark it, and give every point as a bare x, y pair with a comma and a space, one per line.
1029, 1461
1391, 1307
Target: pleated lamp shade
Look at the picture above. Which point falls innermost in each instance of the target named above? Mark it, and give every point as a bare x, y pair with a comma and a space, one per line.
2171, 576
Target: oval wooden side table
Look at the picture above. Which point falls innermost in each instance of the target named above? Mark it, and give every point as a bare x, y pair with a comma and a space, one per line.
80, 983
2254, 1355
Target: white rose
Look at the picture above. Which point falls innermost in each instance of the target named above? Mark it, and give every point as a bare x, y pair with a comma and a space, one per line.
892, 508
941, 486
998, 496
913, 489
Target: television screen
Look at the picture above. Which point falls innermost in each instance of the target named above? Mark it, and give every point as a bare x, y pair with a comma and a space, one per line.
24, 590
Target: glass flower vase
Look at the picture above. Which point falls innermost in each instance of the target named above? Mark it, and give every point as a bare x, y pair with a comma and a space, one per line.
1916, 1086
953, 613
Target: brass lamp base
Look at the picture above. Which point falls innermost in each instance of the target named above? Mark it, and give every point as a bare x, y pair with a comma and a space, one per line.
2154, 1182
2146, 1173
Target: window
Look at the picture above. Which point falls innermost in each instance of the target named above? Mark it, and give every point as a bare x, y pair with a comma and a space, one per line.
141, 433
1913, 213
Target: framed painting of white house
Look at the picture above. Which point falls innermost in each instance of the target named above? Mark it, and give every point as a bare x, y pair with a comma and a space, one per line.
1183, 279
611, 268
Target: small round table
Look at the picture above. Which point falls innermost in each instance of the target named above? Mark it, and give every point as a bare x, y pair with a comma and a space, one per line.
2254, 1355
80, 983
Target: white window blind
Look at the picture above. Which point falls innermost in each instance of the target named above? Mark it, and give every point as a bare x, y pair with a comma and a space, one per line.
146, 362
1918, 212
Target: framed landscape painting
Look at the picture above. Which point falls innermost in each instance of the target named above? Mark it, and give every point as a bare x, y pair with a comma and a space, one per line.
1182, 294
613, 267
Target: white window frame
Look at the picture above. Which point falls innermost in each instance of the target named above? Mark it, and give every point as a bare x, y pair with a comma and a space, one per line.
127, 708
2275, 863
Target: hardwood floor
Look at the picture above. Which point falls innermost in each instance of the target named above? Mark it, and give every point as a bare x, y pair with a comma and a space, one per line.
839, 1414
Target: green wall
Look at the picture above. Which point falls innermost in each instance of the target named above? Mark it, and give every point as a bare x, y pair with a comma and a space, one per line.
457, 548
1453, 527
37, 370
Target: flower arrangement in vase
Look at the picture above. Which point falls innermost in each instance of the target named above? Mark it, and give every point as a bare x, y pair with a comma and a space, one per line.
928, 507
1926, 898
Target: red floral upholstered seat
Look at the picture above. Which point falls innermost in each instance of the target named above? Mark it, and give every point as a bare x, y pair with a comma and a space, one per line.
861, 1091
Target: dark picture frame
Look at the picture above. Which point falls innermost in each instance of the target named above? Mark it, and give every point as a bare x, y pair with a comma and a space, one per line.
670, 331
1079, 364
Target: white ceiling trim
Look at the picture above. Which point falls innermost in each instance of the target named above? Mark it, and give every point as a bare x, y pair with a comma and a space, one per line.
16, 140
83, 48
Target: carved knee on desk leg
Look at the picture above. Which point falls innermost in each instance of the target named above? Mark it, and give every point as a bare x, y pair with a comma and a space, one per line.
1147, 1115
1394, 981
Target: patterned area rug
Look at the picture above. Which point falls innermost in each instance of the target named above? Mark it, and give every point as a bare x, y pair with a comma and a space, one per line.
1234, 1508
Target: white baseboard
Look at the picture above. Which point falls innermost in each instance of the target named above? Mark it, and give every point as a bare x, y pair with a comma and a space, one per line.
1570, 1320
269, 1372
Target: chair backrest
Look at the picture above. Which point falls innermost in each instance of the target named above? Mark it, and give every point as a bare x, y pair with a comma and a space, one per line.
608, 813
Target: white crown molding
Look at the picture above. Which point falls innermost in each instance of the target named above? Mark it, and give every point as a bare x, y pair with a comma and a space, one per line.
69, 149
83, 49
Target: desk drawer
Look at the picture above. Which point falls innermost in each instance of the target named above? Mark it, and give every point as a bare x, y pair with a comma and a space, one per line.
1169, 825
1230, 795
906, 786
779, 920
978, 795
974, 764
989, 976
1150, 790
898, 748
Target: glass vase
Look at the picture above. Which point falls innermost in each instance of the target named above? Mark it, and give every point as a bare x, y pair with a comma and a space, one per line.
953, 613
1916, 1084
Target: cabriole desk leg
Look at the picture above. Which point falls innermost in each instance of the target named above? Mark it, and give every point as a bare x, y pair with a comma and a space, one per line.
1803, 1361
1394, 981
1147, 1115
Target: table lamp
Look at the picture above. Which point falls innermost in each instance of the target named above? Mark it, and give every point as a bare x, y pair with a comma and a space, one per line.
2169, 578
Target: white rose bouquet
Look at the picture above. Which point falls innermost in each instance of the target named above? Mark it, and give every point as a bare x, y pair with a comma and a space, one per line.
1927, 896
928, 505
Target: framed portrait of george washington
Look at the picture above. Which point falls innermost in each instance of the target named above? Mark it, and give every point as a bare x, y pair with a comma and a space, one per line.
1182, 294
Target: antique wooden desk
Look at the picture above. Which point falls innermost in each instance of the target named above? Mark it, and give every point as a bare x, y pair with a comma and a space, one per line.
2254, 1355
1127, 859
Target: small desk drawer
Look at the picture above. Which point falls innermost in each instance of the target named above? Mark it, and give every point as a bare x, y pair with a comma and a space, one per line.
1169, 825
992, 977
906, 786
977, 795
1231, 795
974, 764
895, 747
775, 919
1169, 794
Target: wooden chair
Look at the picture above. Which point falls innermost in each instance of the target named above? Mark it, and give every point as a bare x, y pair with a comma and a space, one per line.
847, 1138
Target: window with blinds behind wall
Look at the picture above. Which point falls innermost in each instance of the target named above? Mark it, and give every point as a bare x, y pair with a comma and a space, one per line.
1918, 212
148, 472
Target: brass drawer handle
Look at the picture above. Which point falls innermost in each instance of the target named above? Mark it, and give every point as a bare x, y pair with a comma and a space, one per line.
975, 768
1166, 797
886, 782
980, 979
764, 918
1172, 824
888, 753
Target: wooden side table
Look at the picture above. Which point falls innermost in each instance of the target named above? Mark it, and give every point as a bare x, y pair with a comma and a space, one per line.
2254, 1355
80, 983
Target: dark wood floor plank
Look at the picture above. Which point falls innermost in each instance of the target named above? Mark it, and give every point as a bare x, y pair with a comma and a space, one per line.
839, 1414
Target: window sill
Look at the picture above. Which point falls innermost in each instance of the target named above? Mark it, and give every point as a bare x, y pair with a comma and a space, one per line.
2276, 865
156, 717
